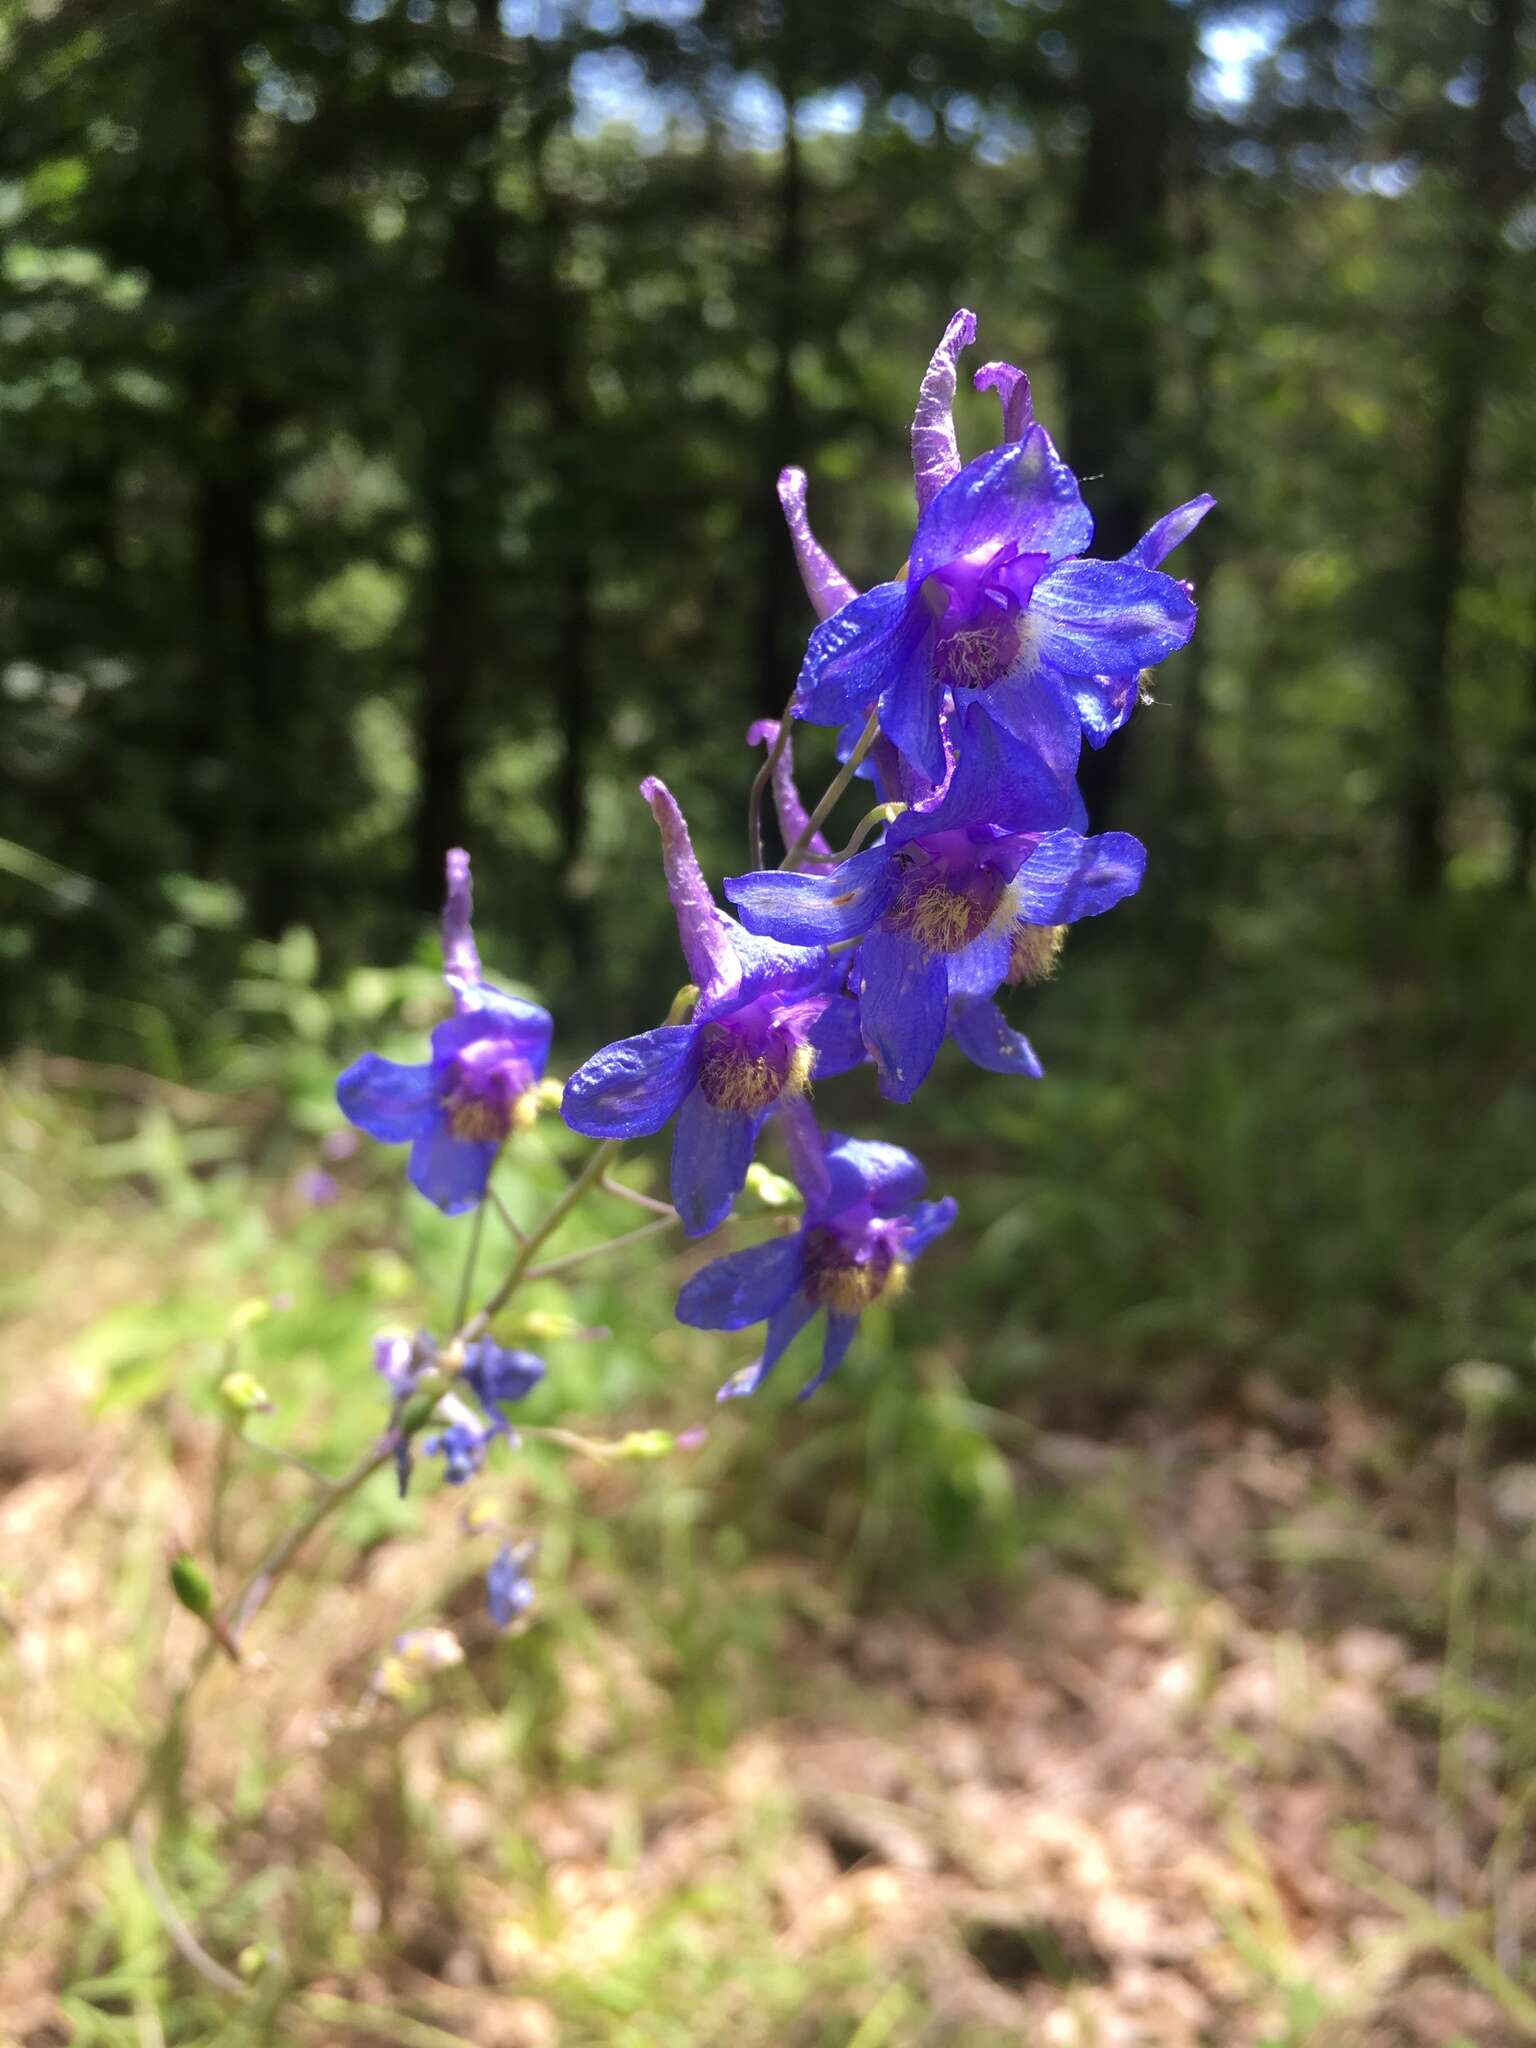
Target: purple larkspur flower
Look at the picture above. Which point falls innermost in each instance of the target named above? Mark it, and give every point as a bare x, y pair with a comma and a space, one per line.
955, 900
864, 1224
997, 603
456, 1109
494, 1374
509, 1591
766, 1015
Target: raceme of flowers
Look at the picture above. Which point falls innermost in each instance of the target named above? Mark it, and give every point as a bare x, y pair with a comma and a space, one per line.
961, 691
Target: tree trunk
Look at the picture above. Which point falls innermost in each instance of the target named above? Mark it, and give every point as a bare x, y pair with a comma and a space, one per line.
461, 489
1464, 371
1134, 61
774, 660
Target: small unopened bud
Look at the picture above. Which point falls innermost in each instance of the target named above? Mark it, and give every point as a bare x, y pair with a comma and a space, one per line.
243, 1394
190, 1584
683, 1004
430, 1649
549, 1093
772, 1189
645, 1443
480, 1516
251, 1961
246, 1315
543, 1324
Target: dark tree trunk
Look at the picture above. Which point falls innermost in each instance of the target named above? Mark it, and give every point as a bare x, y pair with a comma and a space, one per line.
461, 477
1467, 342
1133, 82
566, 577
778, 591
236, 725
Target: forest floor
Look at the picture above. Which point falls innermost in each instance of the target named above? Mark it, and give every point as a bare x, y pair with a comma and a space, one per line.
1190, 1800
1237, 1752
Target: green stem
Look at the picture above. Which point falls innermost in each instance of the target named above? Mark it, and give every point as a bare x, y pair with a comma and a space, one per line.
760, 782
833, 791
467, 1277
609, 1244
588, 1178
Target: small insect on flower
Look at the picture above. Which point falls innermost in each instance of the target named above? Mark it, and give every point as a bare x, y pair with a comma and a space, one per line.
481, 1083
864, 1225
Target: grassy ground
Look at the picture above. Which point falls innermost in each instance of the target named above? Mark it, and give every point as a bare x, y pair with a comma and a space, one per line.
959, 1707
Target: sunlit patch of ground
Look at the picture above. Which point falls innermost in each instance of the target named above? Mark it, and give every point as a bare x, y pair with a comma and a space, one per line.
1197, 1792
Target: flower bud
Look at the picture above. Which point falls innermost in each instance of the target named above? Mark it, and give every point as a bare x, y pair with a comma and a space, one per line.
645, 1444
772, 1189
190, 1584
247, 1315
243, 1394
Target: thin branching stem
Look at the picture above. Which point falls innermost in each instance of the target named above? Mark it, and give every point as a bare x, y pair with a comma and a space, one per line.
760, 782
569, 1260
833, 791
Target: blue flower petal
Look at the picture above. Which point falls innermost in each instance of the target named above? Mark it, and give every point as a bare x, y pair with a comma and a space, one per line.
867, 1170
451, 1172
836, 1040
1021, 494
849, 659
745, 1287
984, 1035
1170, 532
700, 921
1013, 395
763, 967
911, 707
1108, 618
1103, 703
902, 994
784, 1325
1037, 707
388, 1100
816, 909
841, 1331
711, 1151
925, 1222
998, 780
981, 966
525, 1027
1068, 877
633, 1087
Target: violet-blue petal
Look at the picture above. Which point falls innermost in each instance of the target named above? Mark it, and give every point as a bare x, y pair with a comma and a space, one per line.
509, 1592
388, 1100
1068, 877
763, 967
998, 780
744, 1287
816, 909
711, 1151
1013, 395
984, 1035
911, 708
1021, 494
836, 1040
825, 584
902, 994
923, 1223
523, 1027
451, 1172
1107, 618
807, 1149
1170, 532
700, 925
979, 968
499, 1375
1103, 703
849, 658
868, 1170
784, 1325
1037, 707
841, 1331
935, 452
632, 1087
